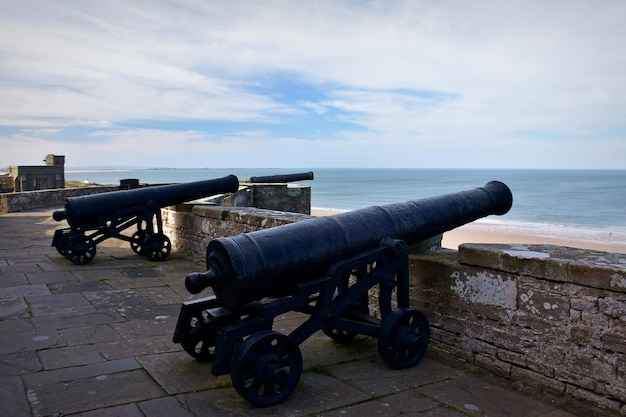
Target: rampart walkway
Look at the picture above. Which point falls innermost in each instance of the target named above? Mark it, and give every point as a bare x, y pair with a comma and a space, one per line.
95, 340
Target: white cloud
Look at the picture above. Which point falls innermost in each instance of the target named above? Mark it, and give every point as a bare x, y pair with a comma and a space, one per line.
425, 78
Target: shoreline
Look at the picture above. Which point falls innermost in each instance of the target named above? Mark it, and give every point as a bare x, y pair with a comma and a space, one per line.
494, 232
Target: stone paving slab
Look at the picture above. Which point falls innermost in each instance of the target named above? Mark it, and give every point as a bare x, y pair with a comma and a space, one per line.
20, 363
36, 340
12, 389
12, 308
96, 341
79, 372
314, 393
476, 397
178, 373
65, 398
59, 304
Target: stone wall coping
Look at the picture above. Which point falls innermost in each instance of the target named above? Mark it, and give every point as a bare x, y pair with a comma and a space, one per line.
273, 184
249, 215
595, 269
28, 200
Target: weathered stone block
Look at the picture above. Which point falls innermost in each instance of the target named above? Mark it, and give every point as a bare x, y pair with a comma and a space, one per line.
538, 380
493, 365
556, 270
485, 256
524, 261
580, 362
588, 304
615, 340
485, 287
581, 334
543, 304
478, 346
512, 358
592, 272
612, 306
431, 270
596, 319
546, 360
599, 400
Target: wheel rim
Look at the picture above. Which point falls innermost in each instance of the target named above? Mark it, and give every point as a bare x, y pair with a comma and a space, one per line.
137, 240
157, 247
199, 349
63, 239
404, 338
266, 368
80, 250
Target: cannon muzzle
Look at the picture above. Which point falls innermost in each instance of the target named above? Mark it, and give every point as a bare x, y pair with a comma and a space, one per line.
269, 262
303, 176
198, 281
59, 215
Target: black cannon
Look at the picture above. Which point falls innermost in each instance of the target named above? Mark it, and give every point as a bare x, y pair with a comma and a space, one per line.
302, 176
323, 267
94, 218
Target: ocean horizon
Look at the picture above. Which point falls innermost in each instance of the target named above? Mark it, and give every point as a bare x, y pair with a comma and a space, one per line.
559, 202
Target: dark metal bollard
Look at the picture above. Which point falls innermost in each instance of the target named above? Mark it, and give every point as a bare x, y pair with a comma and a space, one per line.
323, 267
108, 214
283, 178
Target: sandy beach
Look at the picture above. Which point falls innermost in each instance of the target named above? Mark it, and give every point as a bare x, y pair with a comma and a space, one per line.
492, 232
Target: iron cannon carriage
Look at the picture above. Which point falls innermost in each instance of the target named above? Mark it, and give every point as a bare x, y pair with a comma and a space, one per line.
94, 218
325, 268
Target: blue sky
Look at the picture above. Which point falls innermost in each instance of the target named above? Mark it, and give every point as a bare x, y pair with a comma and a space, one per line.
208, 83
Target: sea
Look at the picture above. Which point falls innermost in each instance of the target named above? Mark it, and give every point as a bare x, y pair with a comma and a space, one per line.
557, 202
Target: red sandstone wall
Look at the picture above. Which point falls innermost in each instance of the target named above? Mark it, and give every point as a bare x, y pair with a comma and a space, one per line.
547, 316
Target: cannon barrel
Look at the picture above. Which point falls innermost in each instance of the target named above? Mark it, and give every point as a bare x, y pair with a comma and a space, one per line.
302, 176
91, 209
269, 262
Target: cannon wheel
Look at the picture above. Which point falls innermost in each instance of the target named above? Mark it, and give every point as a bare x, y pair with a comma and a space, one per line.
201, 349
157, 246
266, 368
79, 249
404, 338
137, 240
200, 342
62, 243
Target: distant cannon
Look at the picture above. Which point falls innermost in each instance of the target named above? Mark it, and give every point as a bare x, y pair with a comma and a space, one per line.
107, 215
323, 267
284, 178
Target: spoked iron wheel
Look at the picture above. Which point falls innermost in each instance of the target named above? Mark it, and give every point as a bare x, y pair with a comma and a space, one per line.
345, 336
79, 249
136, 242
404, 338
266, 368
62, 243
157, 246
202, 348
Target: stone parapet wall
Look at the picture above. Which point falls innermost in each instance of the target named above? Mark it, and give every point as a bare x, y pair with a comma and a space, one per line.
191, 231
548, 317
292, 198
28, 200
